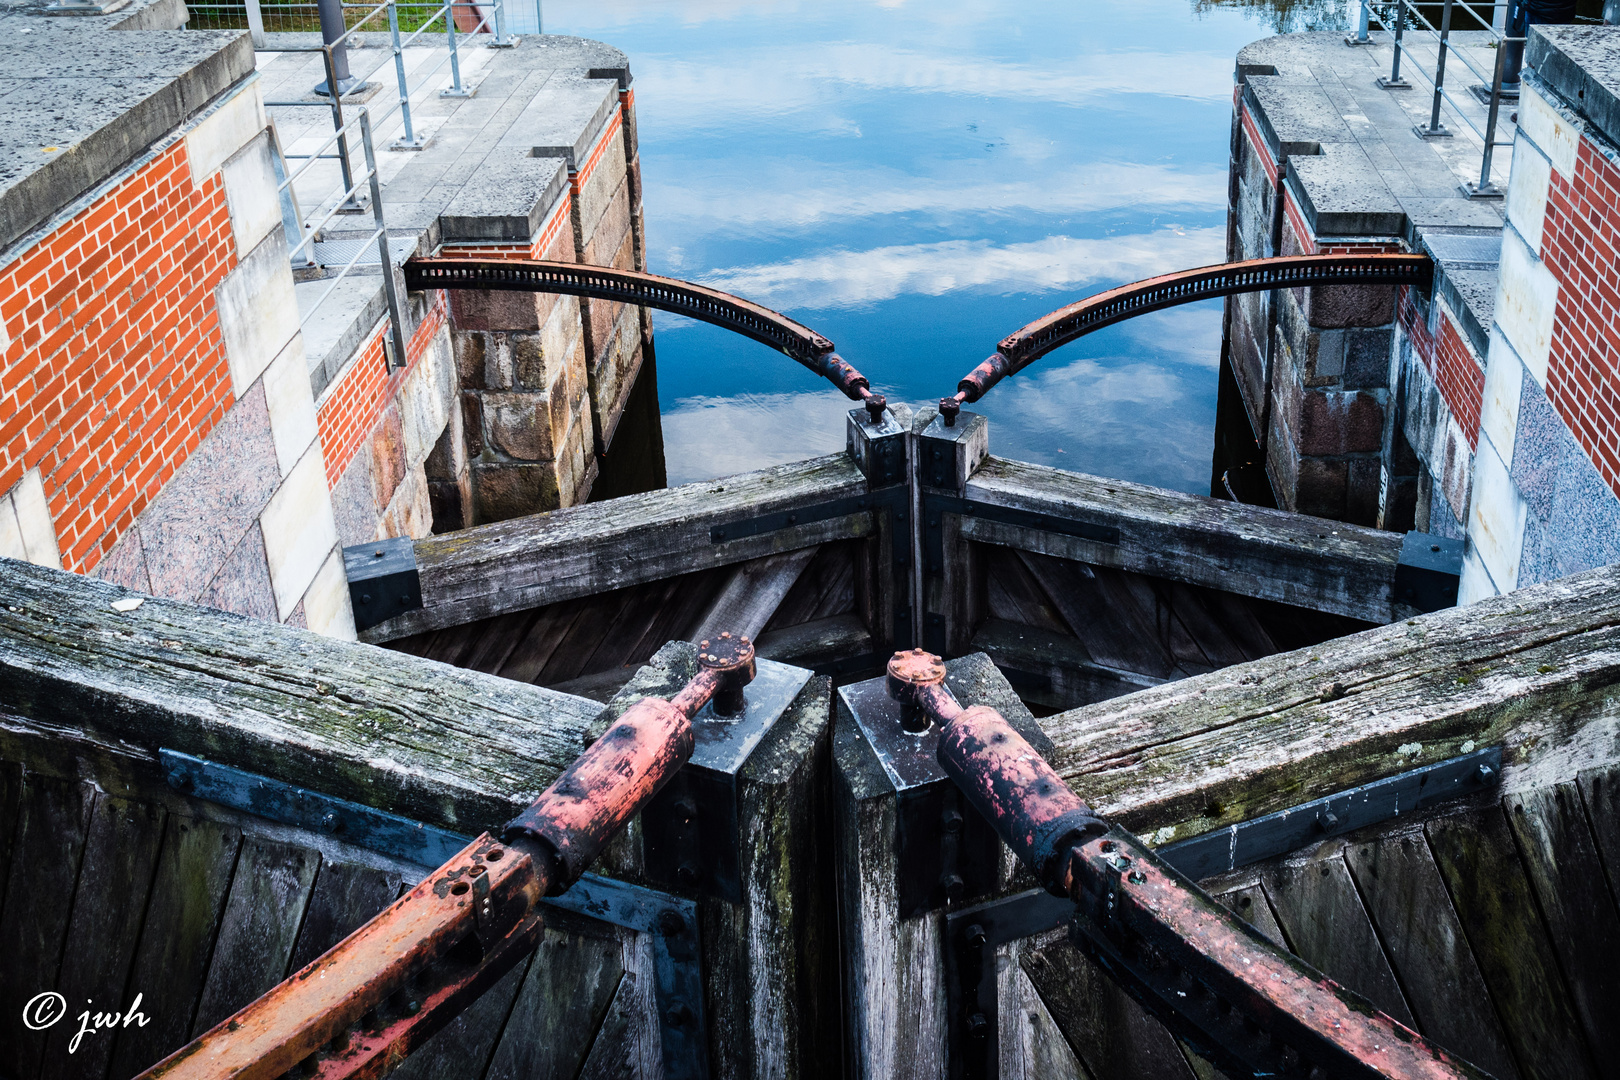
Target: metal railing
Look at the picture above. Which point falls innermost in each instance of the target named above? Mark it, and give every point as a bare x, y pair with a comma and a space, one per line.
1397, 16
348, 198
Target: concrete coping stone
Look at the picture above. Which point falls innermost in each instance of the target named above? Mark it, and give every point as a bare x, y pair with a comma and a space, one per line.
1582, 64
80, 100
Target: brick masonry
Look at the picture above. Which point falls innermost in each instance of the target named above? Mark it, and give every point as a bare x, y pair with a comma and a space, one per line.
114, 363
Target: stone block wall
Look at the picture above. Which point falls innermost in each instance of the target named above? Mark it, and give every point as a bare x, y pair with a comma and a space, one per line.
1323, 419
545, 380
1547, 476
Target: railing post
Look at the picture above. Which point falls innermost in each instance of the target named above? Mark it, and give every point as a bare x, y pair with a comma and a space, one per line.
396, 309
502, 39
411, 141
355, 202
1515, 28
255, 21
1485, 189
1394, 81
540, 16
456, 89
1436, 130
1361, 37
333, 27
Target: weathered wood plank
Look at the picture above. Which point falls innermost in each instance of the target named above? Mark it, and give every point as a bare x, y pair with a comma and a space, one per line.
751, 597
259, 928
115, 875
1109, 1031
534, 561
1193, 606
824, 590
1562, 864
451, 748
1600, 790
1536, 672
612, 1055
1236, 614
345, 897
1013, 594
177, 939
1031, 1043
1053, 669
1102, 615
562, 1005
1251, 904
465, 1045
824, 641
1476, 856
1327, 927
53, 819
1292, 558
11, 789
1426, 944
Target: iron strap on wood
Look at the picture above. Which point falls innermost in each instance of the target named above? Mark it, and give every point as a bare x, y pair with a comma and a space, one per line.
646, 290
1238, 999
1033, 341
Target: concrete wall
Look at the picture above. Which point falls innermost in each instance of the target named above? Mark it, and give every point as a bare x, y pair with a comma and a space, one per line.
1547, 474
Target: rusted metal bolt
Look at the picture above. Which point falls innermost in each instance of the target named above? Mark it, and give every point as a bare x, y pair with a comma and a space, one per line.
978, 1024
975, 936
679, 1016
952, 821
1486, 773
686, 874
1136, 877
948, 408
1328, 821
953, 886
330, 822
875, 406
670, 923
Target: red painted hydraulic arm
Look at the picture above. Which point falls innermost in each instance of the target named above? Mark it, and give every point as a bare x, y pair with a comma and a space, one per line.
1247, 1005
359, 1009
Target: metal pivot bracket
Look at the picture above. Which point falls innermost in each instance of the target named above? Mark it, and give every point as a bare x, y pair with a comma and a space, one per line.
1429, 569
383, 581
946, 854
691, 830
877, 445
948, 454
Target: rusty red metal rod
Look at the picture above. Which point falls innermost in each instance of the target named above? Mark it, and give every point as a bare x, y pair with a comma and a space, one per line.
1250, 1006
360, 1008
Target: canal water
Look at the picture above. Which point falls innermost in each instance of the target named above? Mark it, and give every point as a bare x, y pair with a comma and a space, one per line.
916, 179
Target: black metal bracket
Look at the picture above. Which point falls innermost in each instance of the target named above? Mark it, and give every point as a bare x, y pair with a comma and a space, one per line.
671, 920
383, 581
691, 833
972, 934
946, 853
1429, 569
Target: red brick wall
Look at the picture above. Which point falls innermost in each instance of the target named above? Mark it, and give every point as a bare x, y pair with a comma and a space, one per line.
350, 409
1580, 244
116, 368
1448, 357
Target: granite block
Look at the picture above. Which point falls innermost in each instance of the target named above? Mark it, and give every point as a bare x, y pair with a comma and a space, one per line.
508, 491
518, 425
1540, 442
1538, 558
354, 505
1366, 359
1340, 423
125, 564
243, 583
1585, 521
201, 515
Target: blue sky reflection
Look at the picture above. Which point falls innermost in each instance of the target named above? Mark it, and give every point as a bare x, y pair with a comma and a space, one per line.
917, 180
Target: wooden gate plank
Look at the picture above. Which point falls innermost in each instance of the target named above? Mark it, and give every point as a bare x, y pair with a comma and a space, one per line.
465, 1045
1600, 790
11, 789
1013, 594
612, 1055
1195, 608
53, 818
1109, 632
1327, 926
1237, 615
345, 896
562, 1005
1562, 863
171, 961
826, 588
1109, 1031
1419, 928
1252, 906
256, 935
115, 877
1032, 1045
750, 598
1476, 856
